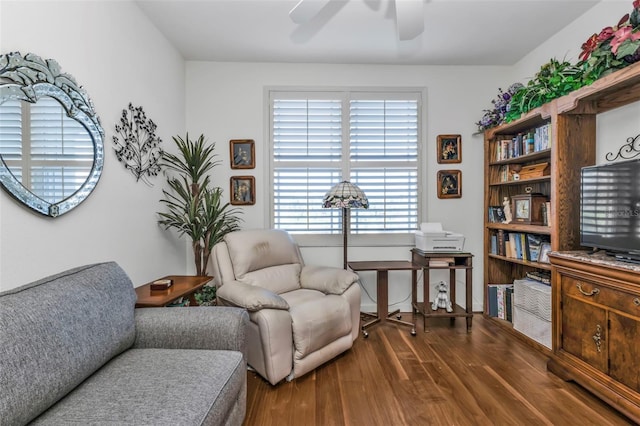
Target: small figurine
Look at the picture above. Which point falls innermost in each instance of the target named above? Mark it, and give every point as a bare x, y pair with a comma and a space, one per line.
506, 207
442, 298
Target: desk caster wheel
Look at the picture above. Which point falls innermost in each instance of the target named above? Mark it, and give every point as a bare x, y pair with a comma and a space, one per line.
413, 332
365, 334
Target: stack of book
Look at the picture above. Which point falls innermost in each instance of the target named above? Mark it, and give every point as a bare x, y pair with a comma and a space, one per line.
500, 301
524, 143
518, 245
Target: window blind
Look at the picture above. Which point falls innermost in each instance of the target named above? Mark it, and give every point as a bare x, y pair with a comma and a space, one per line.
370, 139
48, 152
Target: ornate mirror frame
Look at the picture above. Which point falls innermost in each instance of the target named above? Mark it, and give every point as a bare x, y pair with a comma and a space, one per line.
28, 78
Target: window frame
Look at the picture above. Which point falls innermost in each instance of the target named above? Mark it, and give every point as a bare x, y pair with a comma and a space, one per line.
345, 94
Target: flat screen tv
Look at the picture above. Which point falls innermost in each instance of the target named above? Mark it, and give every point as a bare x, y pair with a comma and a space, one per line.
610, 208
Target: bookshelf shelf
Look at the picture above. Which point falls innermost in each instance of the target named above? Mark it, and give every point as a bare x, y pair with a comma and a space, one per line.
526, 158
529, 229
536, 265
523, 181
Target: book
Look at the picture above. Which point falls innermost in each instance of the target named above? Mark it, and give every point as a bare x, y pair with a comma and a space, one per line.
525, 247
492, 296
540, 276
547, 213
533, 241
500, 302
497, 299
501, 241
509, 304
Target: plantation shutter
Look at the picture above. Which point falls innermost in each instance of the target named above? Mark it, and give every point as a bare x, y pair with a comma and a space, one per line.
307, 155
320, 139
384, 164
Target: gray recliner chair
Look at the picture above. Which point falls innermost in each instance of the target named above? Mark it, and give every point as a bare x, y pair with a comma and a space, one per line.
300, 316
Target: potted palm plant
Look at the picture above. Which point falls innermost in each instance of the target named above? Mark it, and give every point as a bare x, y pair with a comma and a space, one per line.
194, 206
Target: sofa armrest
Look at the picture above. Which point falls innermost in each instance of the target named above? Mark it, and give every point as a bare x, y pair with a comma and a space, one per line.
326, 279
202, 327
250, 297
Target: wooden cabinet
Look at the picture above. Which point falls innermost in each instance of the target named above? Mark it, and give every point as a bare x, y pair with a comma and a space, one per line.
596, 327
572, 120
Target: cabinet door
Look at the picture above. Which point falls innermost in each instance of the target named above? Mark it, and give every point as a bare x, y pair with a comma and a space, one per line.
624, 351
584, 331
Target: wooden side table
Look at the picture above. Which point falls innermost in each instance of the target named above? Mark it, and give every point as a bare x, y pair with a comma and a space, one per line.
461, 261
382, 268
183, 286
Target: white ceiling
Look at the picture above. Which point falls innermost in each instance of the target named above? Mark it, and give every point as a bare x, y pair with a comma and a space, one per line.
457, 32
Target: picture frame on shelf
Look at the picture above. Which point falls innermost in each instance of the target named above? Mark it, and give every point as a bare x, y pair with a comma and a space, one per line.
243, 190
449, 184
242, 153
543, 256
449, 149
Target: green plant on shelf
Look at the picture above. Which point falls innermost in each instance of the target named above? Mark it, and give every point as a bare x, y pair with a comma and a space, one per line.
206, 296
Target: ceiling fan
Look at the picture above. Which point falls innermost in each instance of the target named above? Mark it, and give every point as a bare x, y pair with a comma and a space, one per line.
409, 15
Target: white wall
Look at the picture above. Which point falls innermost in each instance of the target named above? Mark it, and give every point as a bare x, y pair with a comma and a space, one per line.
118, 57
115, 53
227, 101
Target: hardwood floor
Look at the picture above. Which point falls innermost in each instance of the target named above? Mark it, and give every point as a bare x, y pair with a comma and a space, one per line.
443, 377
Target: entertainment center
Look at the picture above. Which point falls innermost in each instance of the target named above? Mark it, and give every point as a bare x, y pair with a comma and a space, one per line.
595, 298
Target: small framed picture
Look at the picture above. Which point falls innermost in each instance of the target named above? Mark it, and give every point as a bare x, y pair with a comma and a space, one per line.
243, 153
449, 184
449, 149
243, 190
545, 248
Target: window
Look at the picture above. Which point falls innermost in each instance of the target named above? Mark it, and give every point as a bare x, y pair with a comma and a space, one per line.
48, 152
368, 138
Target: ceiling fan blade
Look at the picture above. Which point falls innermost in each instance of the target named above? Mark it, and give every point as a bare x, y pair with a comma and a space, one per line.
409, 18
305, 10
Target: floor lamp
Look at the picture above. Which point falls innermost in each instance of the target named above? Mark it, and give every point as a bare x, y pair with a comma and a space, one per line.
345, 195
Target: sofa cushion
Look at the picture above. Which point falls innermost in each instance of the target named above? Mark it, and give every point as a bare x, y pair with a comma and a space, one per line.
318, 322
62, 329
327, 279
252, 298
157, 387
258, 249
277, 279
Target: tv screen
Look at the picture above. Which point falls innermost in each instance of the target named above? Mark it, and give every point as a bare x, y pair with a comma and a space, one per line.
610, 207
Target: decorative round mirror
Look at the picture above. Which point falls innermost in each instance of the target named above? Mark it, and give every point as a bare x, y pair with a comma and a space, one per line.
51, 140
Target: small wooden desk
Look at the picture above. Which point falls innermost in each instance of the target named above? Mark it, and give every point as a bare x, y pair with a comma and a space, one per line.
461, 261
183, 286
382, 268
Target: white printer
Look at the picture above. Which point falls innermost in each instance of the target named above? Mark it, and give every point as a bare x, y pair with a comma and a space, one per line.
431, 237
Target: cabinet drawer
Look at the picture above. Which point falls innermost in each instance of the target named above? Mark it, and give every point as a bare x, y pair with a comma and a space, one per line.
601, 295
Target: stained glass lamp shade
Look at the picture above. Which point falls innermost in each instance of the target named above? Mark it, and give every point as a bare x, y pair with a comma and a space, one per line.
345, 195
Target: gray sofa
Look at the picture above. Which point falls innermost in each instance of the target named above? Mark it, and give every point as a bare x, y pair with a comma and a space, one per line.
74, 350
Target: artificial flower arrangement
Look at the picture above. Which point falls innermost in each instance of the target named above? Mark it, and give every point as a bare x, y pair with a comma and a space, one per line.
610, 50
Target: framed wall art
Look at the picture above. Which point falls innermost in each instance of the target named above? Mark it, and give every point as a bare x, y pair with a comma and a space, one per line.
449, 149
243, 153
243, 190
449, 184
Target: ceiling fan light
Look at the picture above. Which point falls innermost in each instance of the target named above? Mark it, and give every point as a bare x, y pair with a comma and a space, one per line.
305, 10
409, 18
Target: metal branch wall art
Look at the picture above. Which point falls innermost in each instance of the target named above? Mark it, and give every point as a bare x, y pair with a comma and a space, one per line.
137, 145
629, 150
